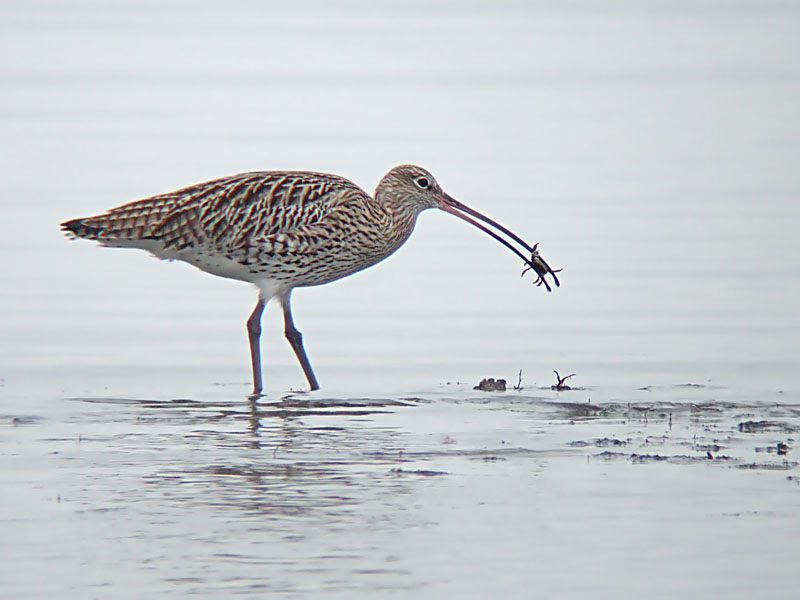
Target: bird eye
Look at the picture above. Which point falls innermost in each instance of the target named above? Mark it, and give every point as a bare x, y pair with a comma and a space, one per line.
422, 182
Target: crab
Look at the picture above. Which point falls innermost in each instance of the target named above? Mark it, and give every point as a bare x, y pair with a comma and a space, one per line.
540, 266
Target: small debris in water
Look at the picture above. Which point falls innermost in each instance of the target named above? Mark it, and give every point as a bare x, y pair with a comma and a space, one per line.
600, 443
491, 385
560, 386
423, 472
518, 387
785, 466
709, 447
759, 426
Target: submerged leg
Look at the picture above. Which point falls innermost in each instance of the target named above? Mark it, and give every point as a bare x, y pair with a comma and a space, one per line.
296, 340
254, 334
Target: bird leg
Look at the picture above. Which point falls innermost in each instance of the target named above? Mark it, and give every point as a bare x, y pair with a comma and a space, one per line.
254, 335
296, 340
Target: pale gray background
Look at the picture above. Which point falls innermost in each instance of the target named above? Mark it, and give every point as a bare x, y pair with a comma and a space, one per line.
651, 147
652, 150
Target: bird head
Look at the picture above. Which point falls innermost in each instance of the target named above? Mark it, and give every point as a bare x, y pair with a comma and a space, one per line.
407, 190
410, 188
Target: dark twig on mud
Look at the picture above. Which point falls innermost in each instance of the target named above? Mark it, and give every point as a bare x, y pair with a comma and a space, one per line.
518, 387
560, 386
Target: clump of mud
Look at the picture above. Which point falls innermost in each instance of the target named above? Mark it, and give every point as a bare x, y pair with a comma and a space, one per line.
491, 385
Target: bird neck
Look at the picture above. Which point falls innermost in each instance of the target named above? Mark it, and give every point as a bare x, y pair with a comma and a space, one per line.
398, 219
401, 208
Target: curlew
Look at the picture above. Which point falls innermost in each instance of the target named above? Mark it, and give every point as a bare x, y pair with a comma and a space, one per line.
281, 230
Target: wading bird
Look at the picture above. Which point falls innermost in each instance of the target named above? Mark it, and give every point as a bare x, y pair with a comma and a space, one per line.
281, 230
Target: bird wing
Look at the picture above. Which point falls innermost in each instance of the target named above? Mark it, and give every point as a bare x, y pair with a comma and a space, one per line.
226, 213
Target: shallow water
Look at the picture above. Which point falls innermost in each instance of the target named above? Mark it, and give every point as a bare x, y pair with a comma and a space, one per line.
653, 154
685, 487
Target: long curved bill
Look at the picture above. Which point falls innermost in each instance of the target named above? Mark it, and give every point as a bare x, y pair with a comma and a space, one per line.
534, 262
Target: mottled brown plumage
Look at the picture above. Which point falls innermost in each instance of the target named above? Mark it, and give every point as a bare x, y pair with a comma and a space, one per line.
282, 230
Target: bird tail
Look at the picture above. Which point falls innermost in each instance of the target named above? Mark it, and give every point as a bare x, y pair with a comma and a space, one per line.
124, 225
110, 230
79, 228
